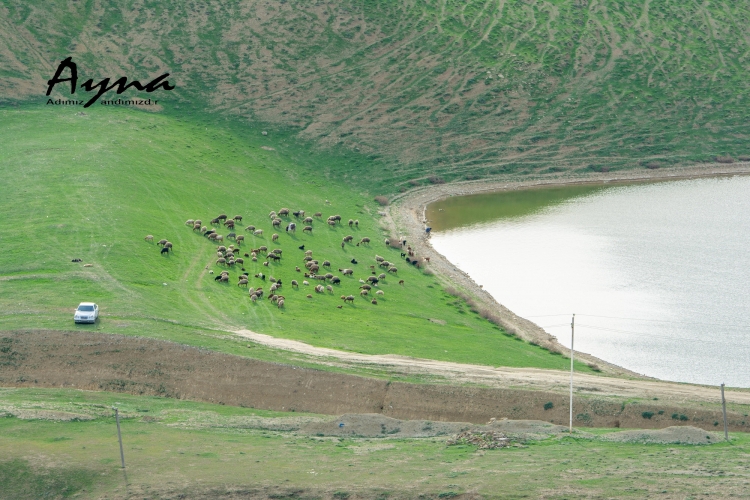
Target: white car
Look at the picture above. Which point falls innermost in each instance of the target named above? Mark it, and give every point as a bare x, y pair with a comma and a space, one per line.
87, 312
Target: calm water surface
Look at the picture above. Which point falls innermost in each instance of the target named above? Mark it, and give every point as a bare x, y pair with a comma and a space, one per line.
658, 274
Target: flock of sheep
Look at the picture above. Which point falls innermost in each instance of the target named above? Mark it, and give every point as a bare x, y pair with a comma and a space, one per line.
314, 270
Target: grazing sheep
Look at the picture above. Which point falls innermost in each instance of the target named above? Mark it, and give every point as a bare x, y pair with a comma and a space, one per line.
209, 232
224, 278
280, 303
379, 258
265, 263
161, 242
393, 270
222, 217
217, 278
380, 292
261, 276
373, 280
335, 280
295, 284
400, 282
239, 239
229, 223
385, 263
274, 237
387, 242
307, 229
212, 236
198, 221
346, 272
308, 253
219, 237
204, 229
221, 248
232, 235
354, 261
253, 297
242, 282
374, 301
276, 223
189, 222
250, 228
284, 212
309, 296
263, 249
356, 222
348, 298
326, 263
149, 238
272, 215
427, 259
307, 259
328, 276
272, 279
221, 261
274, 287
196, 227
168, 245
307, 220
364, 293
381, 276
342, 244
239, 260
274, 257
331, 222
258, 232
348, 238
296, 268
364, 241
329, 288
314, 268
163, 251
215, 222
291, 227
238, 218
219, 255
351, 222
277, 251
306, 283
319, 289
254, 259
365, 287
301, 247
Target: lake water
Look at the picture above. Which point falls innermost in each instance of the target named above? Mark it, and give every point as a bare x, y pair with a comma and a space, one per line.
658, 274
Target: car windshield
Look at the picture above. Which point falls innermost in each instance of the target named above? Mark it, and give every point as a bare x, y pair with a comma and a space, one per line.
85, 308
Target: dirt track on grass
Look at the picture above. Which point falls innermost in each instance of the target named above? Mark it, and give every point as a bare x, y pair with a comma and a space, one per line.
92, 361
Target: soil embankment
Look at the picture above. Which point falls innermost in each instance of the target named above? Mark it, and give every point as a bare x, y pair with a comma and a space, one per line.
406, 219
137, 365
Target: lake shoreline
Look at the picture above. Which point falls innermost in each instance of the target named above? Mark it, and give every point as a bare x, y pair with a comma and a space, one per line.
407, 217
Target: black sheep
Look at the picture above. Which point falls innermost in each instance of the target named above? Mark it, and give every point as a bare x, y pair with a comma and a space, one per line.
403, 254
217, 278
165, 250
354, 261
302, 247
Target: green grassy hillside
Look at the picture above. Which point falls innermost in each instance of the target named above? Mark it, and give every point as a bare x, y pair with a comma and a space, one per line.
93, 186
413, 91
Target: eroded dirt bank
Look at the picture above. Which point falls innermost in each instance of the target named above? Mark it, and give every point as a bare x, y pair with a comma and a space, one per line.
137, 365
405, 219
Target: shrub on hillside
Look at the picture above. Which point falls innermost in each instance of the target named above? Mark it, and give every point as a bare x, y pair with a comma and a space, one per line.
724, 159
382, 200
548, 405
414, 182
652, 165
436, 180
744, 158
647, 414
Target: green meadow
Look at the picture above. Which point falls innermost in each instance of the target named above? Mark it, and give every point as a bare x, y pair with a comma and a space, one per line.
93, 185
177, 448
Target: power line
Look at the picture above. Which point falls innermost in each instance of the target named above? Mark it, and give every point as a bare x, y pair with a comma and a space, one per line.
703, 341
726, 325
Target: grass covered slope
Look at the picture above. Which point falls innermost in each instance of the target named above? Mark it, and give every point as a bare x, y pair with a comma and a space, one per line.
431, 89
174, 447
92, 186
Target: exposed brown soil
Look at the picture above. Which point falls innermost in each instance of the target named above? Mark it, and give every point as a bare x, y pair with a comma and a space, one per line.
146, 366
406, 219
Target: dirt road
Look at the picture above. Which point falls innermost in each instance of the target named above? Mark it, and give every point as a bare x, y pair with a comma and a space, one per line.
512, 378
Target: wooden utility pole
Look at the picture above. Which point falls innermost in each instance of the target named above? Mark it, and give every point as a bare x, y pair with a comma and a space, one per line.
572, 334
724, 409
119, 436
